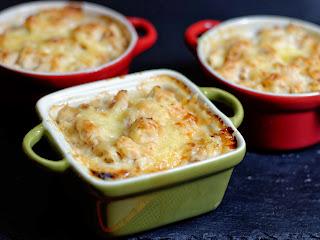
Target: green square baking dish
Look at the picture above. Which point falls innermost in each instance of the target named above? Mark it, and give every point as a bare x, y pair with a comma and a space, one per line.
127, 206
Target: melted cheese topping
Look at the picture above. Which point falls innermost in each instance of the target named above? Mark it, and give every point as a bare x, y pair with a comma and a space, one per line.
63, 40
277, 59
145, 130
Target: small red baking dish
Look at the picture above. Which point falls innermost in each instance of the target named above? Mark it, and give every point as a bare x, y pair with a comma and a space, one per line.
116, 67
272, 121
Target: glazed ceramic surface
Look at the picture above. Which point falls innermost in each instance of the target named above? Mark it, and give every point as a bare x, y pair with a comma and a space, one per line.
272, 121
119, 66
127, 206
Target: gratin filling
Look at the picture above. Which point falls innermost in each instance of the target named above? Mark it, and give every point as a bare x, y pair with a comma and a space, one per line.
152, 128
63, 40
277, 59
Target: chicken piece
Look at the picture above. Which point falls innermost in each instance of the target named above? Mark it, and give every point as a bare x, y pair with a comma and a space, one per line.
29, 58
128, 148
89, 32
8, 57
66, 118
161, 95
88, 132
231, 70
67, 114
155, 92
117, 39
216, 57
144, 130
237, 50
54, 19
120, 101
109, 153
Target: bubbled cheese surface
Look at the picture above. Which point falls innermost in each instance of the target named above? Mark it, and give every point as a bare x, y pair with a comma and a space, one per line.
145, 130
274, 59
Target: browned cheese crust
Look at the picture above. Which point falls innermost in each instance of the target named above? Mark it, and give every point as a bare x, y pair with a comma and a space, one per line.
158, 126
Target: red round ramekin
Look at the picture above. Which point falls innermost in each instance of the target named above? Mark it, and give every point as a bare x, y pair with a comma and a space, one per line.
116, 67
272, 121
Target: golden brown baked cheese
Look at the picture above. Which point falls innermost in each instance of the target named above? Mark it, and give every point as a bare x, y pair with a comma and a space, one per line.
63, 40
157, 126
275, 59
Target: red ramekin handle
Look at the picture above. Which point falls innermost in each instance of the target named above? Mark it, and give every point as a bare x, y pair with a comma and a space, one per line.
150, 37
195, 30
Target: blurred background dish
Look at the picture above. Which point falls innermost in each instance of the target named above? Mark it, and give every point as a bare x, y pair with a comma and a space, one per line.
278, 117
61, 44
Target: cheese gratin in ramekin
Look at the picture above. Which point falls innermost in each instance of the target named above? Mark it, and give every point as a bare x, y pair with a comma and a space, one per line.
157, 126
63, 43
197, 160
271, 64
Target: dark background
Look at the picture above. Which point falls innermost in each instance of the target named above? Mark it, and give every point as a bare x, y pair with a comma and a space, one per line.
271, 195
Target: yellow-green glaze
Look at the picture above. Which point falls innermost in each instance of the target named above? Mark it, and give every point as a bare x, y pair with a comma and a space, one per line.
219, 95
131, 214
145, 203
34, 136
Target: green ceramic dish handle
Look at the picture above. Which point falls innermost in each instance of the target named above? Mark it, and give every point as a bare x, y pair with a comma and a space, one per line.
219, 95
31, 138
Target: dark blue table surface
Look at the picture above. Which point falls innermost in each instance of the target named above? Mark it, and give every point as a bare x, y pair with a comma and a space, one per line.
271, 195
